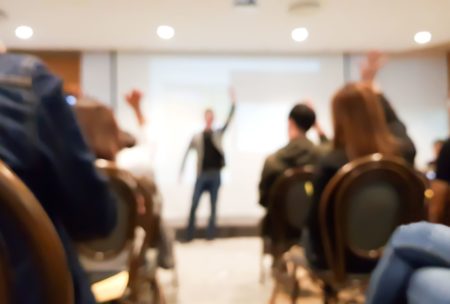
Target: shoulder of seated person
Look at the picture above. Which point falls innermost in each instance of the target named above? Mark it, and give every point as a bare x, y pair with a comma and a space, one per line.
26, 61
271, 159
274, 163
446, 144
280, 153
334, 158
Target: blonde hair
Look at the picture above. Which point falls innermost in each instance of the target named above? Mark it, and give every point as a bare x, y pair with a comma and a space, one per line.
360, 126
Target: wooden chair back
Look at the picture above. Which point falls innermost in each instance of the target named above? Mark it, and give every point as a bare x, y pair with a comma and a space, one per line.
45, 247
151, 218
5, 275
148, 220
124, 186
136, 222
439, 202
365, 201
289, 207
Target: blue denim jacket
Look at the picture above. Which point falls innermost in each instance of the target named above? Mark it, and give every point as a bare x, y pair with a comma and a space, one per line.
41, 141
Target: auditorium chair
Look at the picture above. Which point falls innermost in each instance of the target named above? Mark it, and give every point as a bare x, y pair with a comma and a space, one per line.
41, 238
439, 204
367, 199
149, 220
109, 261
290, 200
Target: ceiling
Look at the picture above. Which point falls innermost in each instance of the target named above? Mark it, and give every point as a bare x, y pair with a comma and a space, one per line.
216, 26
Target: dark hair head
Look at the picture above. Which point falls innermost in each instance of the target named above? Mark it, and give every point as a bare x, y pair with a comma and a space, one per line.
303, 117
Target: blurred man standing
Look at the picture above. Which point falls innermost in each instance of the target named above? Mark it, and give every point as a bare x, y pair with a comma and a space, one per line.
210, 160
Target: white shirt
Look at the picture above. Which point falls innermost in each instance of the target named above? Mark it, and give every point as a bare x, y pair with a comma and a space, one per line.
139, 159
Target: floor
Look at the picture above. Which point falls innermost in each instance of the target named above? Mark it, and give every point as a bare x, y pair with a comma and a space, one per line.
225, 271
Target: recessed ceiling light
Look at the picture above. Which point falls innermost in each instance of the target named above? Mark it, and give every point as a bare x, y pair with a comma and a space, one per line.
300, 34
165, 32
24, 32
422, 37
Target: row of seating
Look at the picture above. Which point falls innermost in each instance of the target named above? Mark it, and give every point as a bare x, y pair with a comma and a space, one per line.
22, 209
135, 233
369, 198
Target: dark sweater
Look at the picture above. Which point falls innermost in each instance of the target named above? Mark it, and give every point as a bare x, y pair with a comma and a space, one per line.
213, 159
41, 142
298, 152
443, 163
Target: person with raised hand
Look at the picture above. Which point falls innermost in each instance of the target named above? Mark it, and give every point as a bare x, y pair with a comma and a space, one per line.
210, 161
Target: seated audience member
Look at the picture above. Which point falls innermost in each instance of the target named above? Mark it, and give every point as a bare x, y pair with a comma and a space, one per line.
100, 128
41, 142
443, 162
369, 69
431, 166
360, 129
300, 151
415, 267
139, 161
139, 158
397, 128
439, 207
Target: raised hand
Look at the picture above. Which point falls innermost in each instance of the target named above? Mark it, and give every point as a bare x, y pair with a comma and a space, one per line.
134, 98
370, 67
310, 104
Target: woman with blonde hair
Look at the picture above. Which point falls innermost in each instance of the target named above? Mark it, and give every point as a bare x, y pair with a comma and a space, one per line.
360, 129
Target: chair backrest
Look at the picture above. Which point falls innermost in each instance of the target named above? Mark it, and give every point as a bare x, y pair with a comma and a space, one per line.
291, 200
124, 186
439, 203
149, 221
365, 201
45, 247
5, 275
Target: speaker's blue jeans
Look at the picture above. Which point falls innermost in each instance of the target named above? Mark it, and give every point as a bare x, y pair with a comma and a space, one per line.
210, 182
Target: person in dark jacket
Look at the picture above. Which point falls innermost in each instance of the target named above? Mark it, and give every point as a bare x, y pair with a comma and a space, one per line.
443, 162
299, 152
41, 142
369, 70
